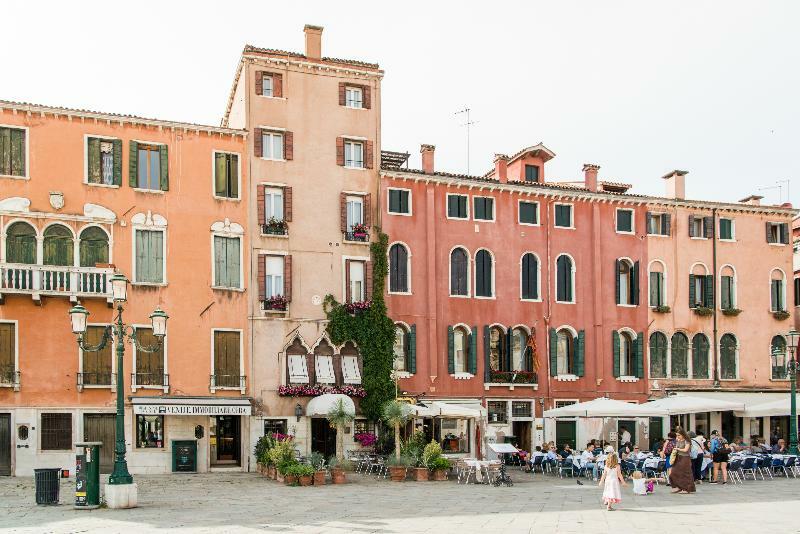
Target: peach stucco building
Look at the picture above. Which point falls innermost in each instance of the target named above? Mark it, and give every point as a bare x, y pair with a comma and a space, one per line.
83, 194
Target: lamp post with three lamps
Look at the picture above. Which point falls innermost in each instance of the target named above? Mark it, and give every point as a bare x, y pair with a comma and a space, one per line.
119, 331
790, 362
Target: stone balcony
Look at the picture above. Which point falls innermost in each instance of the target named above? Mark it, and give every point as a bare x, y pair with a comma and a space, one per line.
55, 281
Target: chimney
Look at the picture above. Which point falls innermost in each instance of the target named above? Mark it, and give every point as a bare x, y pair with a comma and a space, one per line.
590, 176
753, 200
676, 184
501, 167
313, 41
427, 157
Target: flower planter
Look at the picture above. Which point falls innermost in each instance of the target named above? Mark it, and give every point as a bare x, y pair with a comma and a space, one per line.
397, 474
421, 474
305, 480
279, 477
289, 480
319, 478
337, 476
439, 474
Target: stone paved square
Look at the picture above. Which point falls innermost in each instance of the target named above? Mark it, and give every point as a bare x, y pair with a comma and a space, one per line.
247, 502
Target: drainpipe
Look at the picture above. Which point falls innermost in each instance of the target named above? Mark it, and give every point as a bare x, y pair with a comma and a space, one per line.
714, 302
548, 301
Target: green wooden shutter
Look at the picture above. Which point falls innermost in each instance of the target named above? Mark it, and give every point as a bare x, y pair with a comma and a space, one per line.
5, 151
615, 348
133, 164
142, 248
220, 256
233, 171
617, 265
18, 152
487, 369
709, 291
451, 351
234, 245
157, 255
472, 361
164, 160
412, 350
725, 296
7, 344
691, 291
580, 353
93, 174
507, 351
635, 283
220, 175
639, 353
553, 352
117, 160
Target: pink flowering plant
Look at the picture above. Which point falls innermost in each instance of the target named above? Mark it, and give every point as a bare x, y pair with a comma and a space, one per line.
278, 302
366, 439
356, 307
305, 390
360, 229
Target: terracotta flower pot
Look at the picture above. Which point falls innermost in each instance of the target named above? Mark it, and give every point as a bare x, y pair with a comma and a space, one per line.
305, 480
319, 478
279, 476
337, 475
397, 474
421, 474
440, 474
271, 471
289, 480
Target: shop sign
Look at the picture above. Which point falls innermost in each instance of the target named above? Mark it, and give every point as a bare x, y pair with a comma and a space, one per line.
189, 409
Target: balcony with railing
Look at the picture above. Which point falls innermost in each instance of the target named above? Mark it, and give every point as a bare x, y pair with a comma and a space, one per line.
511, 379
228, 381
55, 280
9, 377
154, 380
96, 380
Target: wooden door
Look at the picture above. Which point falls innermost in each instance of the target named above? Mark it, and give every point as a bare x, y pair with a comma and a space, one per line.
101, 427
5, 444
565, 433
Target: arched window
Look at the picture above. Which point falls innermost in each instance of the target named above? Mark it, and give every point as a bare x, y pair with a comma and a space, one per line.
351, 369
460, 349
700, 347
565, 352
398, 269
21, 243
530, 277
58, 246
483, 274
624, 354
727, 288
459, 272
564, 282
297, 362
701, 287
401, 345
658, 355
521, 355
627, 287
778, 358
679, 356
93, 247
777, 291
657, 287
727, 357
323, 363
497, 349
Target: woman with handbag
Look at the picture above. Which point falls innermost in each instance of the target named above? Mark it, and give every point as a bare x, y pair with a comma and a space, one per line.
681, 477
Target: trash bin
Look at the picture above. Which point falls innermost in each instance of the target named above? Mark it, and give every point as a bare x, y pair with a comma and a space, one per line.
87, 475
47, 485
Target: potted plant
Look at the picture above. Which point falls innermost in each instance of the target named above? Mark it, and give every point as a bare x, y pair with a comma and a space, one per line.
440, 466
396, 414
398, 467
339, 416
781, 315
703, 311
275, 227
261, 452
304, 474
317, 461
338, 467
276, 303
731, 312
287, 473
360, 231
661, 309
414, 448
282, 456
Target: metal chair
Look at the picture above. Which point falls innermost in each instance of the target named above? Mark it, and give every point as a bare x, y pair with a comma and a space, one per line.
566, 465
734, 473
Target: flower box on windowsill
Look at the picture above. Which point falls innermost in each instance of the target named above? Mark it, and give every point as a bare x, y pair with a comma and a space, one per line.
305, 390
276, 304
703, 311
513, 377
355, 308
780, 315
662, 309
275, 227
359, 237
731, 312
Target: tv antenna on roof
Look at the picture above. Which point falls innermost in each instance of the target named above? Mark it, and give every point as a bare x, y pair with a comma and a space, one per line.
468, 123
779, 186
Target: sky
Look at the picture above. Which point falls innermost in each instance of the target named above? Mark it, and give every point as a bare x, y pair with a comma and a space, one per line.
639, 88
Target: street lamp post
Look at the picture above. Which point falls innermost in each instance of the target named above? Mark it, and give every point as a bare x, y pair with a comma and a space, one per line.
790, 361
158, 319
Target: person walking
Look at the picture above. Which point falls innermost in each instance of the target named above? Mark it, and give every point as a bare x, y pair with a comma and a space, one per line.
696, 454
610, 482
681, 477
720, 452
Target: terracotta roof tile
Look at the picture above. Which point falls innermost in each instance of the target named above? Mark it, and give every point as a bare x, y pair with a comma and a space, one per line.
274, 51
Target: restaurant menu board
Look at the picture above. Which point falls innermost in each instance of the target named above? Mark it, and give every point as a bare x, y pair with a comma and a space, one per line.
80, 480
185, 456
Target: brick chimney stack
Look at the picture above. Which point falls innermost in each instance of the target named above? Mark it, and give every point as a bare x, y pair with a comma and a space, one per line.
313, 41
501, 167
753, 200
676, 184
427, 157
590, 176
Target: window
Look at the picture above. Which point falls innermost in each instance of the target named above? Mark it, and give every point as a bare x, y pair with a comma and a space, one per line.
400, 348
627, 286
351, 372
521, 353
532, 173
564, 279
658, 355
453, 435
797, 291
363, 426
658, 223
150, 364
297, 362
56, 431
778, 358
624, 221
727, 297
150, 166
323, 364
354, 154
530, 277
21, 243
498, 355
701, 290
226, 175
398, 269
227, 360
399, 201
8, 353
273, 276
272, 145
726, 229
355, 212
565, 353
457, 207
624, 354
227, 262
13, 152
460, 350
701, 227
354, 97
497, 411
58, 246
459, 272
563, 215
483, 208
528, 212
275, 426
149, 431
149, 260
267, 85
657, 296
700, 348
777, 291
273, 204
96, 365
679, 356
103, 161
483, 274
728, 370
93, 247
778, 233
356, 281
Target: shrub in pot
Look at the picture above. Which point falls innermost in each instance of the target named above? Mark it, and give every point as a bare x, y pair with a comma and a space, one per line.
439, 467
302, 474
318, 463
397, 467
338, 467
286, 471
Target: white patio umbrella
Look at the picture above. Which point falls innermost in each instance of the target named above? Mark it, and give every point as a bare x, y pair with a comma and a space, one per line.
604, 407
680, 404
320, 406
764, 409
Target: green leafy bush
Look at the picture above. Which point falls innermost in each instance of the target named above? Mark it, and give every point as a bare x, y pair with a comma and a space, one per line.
439, 463
414, 448
282, 454
431, 453
402, 461
299, 470
262, 448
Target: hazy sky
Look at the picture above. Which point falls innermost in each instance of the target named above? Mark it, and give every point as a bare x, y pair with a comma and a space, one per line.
639, 88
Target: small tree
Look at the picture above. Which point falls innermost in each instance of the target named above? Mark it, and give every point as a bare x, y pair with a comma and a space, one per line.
338, 417
395, 414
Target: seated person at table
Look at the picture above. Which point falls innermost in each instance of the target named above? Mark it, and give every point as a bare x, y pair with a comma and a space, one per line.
551, 457
780, 447
636, 455
566, 451
624, 451
588, 460
755, 447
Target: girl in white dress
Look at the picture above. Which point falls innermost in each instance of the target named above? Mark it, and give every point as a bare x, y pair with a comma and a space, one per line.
611, 480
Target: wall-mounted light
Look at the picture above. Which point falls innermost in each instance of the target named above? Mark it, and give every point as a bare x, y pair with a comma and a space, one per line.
298, 411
